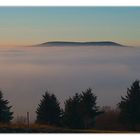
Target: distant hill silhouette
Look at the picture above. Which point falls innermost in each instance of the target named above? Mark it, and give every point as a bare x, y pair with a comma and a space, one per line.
63, 43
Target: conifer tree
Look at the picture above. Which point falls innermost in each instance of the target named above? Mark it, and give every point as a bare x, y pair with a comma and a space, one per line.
72, 113
89, 108
81, 110
5, 114
130, 106
48, 111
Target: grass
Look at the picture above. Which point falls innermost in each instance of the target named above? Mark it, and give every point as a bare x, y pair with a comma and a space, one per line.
35, 128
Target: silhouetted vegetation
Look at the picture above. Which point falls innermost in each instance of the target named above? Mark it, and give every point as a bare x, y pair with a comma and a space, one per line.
72, 113
81, 114
48, 111
5, 114
130, 106
109, 120
81, 110
20, 121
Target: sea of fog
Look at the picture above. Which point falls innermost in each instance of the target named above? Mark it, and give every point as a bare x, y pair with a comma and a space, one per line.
27, 72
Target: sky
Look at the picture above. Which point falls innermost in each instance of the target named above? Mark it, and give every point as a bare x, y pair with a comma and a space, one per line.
35, 25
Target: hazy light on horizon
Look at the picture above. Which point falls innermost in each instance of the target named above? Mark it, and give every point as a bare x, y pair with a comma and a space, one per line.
33, 25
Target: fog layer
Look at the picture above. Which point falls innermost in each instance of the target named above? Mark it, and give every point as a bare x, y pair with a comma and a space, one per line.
27, 72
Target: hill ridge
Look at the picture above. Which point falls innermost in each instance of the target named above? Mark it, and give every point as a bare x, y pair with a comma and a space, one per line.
71, 43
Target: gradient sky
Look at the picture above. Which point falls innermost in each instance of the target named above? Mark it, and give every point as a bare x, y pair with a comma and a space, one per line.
33, 25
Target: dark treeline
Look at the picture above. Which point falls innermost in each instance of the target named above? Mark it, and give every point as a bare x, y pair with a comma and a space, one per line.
81, 111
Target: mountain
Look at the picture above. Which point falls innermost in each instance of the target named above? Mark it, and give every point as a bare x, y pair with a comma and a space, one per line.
63, 43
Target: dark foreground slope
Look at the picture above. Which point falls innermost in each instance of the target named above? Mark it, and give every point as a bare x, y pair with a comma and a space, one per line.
52, 129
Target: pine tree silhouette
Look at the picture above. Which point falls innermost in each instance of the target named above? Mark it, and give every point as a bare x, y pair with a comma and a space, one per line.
81, 110
72, 113
5, 113
130, 106
89, 108
48, 111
